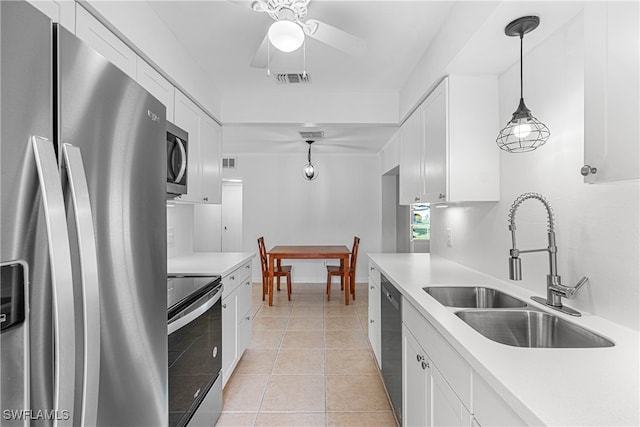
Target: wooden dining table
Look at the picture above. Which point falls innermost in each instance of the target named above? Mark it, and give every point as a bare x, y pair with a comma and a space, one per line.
278, 253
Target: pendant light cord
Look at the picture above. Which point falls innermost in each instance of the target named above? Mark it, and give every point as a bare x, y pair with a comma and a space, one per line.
309, 155
521, 90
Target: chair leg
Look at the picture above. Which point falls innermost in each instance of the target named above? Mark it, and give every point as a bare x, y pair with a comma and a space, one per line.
278, 282
328, 287
341, 283
289, 286
264, 288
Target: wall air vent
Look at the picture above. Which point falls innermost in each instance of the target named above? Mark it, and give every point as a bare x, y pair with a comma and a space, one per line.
316, 134
293, 78
229, 162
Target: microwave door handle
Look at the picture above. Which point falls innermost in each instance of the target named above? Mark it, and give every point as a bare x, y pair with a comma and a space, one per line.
88, 257
194, 314
61, 278
183, 160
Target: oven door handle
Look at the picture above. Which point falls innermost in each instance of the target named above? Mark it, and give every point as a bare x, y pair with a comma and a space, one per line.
190, 314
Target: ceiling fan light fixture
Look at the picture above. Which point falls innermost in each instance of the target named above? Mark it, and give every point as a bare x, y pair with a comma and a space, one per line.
286, 35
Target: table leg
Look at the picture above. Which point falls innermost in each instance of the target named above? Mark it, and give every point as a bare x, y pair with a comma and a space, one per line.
279, 264
271, 280
347, 283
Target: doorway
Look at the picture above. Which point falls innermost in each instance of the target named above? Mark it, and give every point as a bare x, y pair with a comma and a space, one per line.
395, 217
232, 216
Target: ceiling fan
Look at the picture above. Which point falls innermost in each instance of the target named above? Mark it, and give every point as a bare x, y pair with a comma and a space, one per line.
290, 28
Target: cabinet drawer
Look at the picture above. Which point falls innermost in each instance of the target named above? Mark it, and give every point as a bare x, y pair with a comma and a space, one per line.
452, 366
374, 274
244, 299
489, 409
234, 279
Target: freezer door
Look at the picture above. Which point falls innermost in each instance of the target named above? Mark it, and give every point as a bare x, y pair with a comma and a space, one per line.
26, 110
120, 130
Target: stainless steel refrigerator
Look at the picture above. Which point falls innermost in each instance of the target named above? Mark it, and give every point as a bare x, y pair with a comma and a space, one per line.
83, 246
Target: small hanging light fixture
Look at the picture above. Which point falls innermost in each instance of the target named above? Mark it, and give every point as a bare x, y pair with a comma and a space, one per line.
523, 132
309, 171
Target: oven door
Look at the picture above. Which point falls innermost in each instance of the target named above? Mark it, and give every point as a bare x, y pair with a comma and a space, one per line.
195, 353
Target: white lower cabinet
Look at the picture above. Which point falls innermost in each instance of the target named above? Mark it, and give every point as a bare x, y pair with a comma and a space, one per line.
374, 314
236, 318
428, 400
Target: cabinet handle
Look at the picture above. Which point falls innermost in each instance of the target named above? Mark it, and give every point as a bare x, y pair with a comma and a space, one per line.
419, 357
441, 196
247, 266
248, 283
224, 305
425, 365
373, 287
587, 170
248, 317
416, 199
371, 321
371, 268
233, 278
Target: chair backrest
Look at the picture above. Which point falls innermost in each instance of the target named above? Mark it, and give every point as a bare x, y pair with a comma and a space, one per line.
263, 256
354, 256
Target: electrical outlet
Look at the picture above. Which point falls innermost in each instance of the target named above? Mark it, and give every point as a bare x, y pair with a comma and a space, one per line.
449, 238
171, 238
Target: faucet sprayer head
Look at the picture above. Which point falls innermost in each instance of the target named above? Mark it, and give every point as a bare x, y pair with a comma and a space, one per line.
515, 268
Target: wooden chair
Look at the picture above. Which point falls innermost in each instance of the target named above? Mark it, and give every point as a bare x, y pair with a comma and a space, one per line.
278, 271
334, 270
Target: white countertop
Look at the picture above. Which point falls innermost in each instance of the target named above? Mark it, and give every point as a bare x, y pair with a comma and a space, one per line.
214, 263
596, 386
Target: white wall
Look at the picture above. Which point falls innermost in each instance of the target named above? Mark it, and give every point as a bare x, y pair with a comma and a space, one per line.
597, 225
344, 201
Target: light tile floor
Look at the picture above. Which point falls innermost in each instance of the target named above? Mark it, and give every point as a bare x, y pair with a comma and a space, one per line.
309, 364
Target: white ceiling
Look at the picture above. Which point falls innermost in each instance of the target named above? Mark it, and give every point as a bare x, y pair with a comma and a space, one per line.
222, 36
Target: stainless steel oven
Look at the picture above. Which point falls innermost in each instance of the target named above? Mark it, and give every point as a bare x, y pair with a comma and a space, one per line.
195, 349
177, 160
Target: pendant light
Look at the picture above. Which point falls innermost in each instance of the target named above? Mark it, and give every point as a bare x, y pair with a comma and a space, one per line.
309, 171
523, 132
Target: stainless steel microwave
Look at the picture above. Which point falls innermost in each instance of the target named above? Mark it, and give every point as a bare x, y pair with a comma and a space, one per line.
177, 160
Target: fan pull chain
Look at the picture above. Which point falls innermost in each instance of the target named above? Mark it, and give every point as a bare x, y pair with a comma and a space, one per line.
268, 59
304, 65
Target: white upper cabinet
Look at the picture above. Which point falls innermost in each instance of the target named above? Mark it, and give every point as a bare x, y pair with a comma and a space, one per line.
60, 11
448, 151
211, 167
156, 85
203, 174
101, 39
411, 154
611, 90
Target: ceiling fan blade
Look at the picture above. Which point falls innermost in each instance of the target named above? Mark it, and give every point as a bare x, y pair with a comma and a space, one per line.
260, 58
335, 37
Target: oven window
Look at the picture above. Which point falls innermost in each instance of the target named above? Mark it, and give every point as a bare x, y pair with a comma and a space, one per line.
195, 361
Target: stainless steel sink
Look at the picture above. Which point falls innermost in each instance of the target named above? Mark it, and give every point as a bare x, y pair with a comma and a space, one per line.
472, 297
526, 328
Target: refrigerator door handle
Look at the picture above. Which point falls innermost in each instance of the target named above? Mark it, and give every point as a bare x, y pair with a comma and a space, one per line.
90, 281
61, 280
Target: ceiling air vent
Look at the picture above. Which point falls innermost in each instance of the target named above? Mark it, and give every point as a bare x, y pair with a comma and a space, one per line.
293, 78
229, 162
316, 134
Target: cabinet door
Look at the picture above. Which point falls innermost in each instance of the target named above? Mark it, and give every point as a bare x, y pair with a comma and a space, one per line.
434, 116
446, 408
188, 117
374, 317
210, 160
415, 390
229, 335
60, 11
411, 159
107, 44
157, 86
611, 90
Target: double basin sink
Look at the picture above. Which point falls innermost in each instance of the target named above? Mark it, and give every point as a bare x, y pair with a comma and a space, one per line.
508, 320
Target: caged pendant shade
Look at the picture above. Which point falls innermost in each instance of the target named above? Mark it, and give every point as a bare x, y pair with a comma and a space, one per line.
523, 132
309, 171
